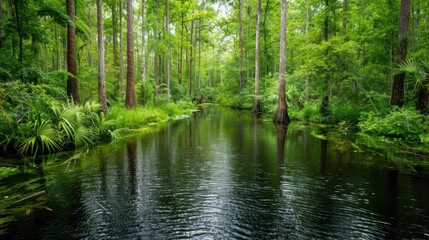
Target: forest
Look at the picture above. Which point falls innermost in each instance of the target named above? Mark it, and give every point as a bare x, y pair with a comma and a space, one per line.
78, 72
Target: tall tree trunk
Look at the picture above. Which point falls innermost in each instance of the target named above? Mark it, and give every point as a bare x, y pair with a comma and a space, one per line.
58, 39
267, 56
282, 116
89, 53
143, 40
191, 58
397, 98
256, 103
324, 107
246, 51
240, 39
18, 28
121, 50
199, 57
215, 61
167, 28
130, 95
307, 21
155, 74
422, 100
72, 87
115, 48
101, 81
64, 46
180, 65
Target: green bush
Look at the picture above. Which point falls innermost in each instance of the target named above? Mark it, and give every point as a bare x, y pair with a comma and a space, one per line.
347, 112
401, 123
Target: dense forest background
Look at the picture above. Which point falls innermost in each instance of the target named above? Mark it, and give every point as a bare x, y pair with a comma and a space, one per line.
77, 71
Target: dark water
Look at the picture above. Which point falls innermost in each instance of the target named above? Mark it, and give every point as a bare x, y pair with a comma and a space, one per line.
224, 175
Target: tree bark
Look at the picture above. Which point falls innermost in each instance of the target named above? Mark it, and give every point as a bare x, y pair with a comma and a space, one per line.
422, 99
121, 50
199, 57
307, 21
88, 51
167, 23
155, 74
240, 39
101, 80
397, 98
58, 48
143, 40
72, 86
191, 58
115, 48
18, 28
130, 95
267, 56
180, 65
324, 107
256, 103
282, 116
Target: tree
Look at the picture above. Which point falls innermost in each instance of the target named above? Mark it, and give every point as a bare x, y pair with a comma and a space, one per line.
191, 58
282, 116
324, 106
256, 103
115, 48
72, 87
130, 95
397, 97
240, 44
101, 81
307, 20
167, 23
121, 50
143, 40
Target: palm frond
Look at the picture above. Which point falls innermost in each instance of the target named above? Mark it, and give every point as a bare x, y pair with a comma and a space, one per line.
83, 136
41, 138
415, 70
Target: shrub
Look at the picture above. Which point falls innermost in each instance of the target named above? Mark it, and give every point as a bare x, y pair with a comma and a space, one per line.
402, 123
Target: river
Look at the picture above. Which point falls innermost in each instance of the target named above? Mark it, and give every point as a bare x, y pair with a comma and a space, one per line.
219, 174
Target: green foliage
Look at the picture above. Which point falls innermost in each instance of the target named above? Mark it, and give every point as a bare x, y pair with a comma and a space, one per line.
35, 123
344, 111
309, 113
236, 101
400, 123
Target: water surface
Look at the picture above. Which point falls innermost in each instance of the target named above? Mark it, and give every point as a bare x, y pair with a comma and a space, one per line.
225, 175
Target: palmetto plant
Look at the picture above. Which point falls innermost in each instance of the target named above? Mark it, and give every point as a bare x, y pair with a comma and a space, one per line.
44, 125
420, 75
77, 124
37, 137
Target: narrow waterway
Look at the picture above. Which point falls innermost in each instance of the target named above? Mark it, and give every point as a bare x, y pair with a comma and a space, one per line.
222, 175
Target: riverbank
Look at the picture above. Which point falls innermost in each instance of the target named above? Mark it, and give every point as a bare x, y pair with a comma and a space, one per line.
45, 127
